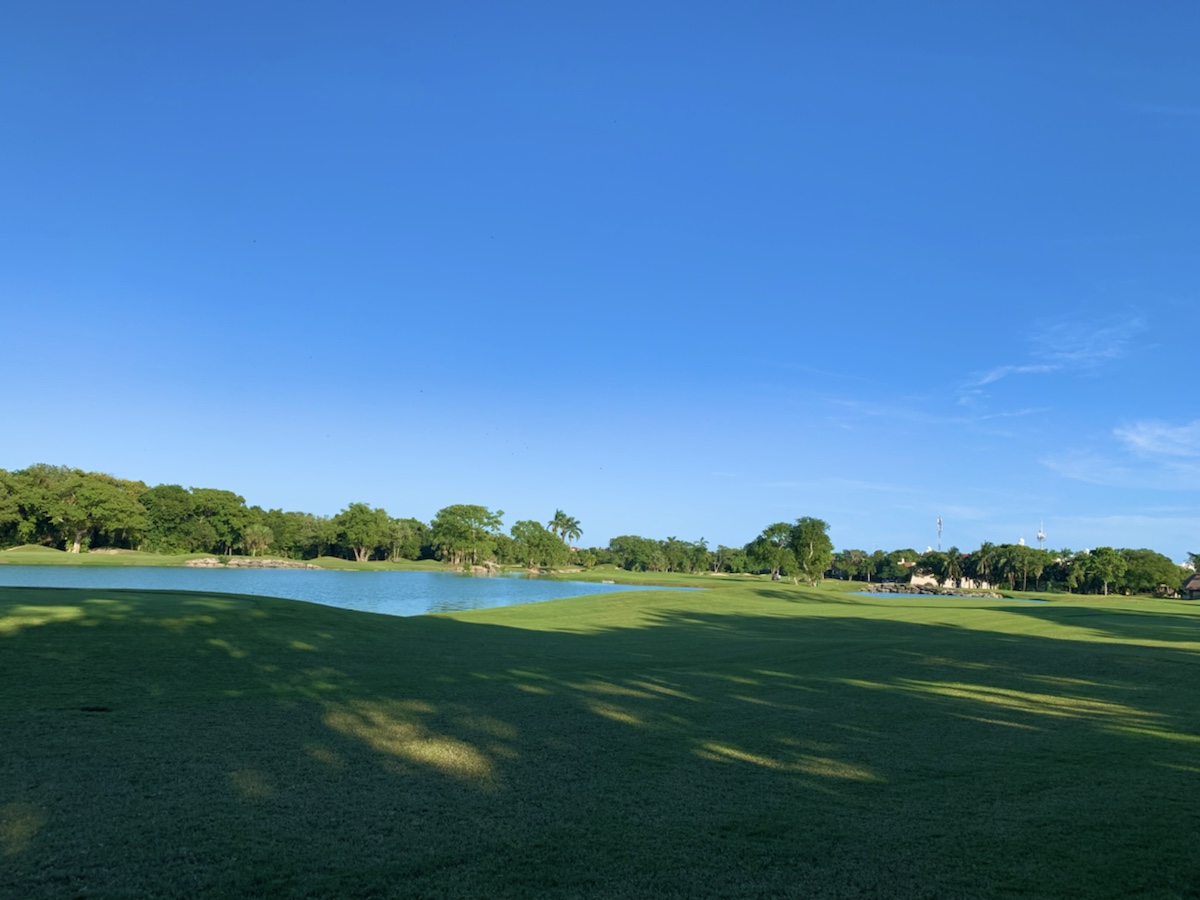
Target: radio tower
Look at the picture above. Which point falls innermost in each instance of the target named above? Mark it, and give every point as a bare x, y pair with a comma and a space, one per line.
1041, 537
939, 534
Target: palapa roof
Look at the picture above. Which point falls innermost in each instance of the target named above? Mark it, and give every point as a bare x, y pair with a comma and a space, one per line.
1192, 583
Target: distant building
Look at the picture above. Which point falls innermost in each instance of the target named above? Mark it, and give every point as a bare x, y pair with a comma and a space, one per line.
1191, 588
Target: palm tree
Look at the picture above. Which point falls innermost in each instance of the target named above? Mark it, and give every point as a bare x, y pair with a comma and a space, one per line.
571, 529
566, 527
954, 569
556, 524
982, 563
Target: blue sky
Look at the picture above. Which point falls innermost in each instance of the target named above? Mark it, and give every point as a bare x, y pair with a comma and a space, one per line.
678, 269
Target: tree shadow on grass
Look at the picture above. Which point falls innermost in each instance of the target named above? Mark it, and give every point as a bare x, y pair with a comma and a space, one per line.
802, 595
261, 746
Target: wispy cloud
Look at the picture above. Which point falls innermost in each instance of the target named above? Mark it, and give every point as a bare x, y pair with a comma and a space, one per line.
918, 411
1065, 345
1004, 371
1154, 455
1158, 439
1014, 413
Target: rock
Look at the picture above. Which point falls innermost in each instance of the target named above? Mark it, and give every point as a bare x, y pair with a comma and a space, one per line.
248, 562
895, 587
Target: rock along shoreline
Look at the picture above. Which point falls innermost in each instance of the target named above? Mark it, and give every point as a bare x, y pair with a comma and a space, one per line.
248, 562
895, 587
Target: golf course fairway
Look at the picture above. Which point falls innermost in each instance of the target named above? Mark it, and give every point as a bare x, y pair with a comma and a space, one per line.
752, 740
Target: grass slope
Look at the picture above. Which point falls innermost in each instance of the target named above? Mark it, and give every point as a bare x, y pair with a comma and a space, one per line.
751, 740
33, 555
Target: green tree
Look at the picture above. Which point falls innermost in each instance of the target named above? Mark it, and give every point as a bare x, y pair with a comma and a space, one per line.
465, 533
10, 508
1105, 565
221, 515
809, 542
536, 546
935, 563
954, 566
328, 534
981, 564
564, 526
728, 559
1058, 569
257, 538
407, 538
772, 549
39, 497
853, 562
169, 512
1020, 561
637, 554
1147, 571
363, 529
77, 505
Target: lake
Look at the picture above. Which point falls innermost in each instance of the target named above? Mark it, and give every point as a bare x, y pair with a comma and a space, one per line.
390, 593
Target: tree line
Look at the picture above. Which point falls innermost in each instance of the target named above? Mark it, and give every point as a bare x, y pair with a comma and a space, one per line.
1100, 570
74, 510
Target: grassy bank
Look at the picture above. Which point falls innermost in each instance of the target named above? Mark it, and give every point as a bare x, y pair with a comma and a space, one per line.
47, 556
30, 555
752, 740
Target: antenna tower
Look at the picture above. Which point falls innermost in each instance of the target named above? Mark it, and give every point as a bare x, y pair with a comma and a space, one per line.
939, 534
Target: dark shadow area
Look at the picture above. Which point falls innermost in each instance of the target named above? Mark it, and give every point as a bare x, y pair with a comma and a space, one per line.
265, 747
808, 597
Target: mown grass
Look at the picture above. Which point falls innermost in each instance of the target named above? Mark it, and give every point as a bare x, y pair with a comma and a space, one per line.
754, 740
33, 555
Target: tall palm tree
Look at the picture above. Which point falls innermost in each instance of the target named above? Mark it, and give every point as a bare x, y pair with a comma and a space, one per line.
557, 525
566, 527
571, 529
954, 568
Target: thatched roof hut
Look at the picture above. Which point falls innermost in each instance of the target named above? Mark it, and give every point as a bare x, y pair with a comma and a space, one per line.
1191, 588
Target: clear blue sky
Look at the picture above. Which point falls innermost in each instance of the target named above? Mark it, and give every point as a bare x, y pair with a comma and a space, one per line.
677, 268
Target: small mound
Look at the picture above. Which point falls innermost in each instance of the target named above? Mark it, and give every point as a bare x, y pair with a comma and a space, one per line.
32, 548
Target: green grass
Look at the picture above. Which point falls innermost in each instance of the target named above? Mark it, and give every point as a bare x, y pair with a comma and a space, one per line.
33, 555
753, 740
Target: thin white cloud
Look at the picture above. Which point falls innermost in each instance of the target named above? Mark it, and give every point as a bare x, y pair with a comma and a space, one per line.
1077, 344
1004, 371
1066, 345
1126, 471
1158, 439
1014, 414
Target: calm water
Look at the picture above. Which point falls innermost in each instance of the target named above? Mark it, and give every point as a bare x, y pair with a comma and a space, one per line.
392, 593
